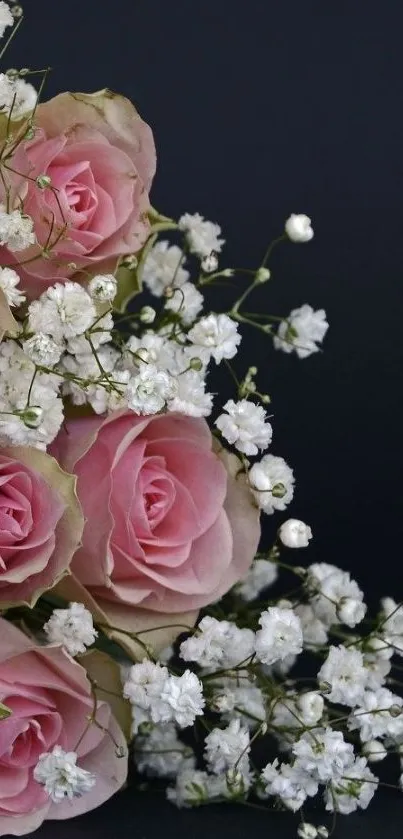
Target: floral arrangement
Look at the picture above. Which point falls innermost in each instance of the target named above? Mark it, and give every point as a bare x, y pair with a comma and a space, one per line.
140, 622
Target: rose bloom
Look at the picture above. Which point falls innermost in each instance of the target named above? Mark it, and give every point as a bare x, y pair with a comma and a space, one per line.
170, 524
50, 699
100, 158
40, 524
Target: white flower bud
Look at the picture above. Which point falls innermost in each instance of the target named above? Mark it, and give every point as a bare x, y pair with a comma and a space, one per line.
307, 831
43, 181
262, 275
374, 751
310, 706
295, 534
103, 287
298, 228
209, 263
259, 478
147, 314
32, 416
350, 611
323, 831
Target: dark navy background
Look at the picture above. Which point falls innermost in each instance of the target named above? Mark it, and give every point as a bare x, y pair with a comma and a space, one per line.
263, 108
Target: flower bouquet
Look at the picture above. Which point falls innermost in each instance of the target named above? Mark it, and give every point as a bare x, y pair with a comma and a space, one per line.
142, 619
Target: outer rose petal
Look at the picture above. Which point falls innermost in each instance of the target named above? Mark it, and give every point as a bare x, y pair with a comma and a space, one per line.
52, 668
69, 529
111, 114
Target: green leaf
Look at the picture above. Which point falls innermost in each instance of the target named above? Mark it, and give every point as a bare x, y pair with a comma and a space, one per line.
129, 285
4, 712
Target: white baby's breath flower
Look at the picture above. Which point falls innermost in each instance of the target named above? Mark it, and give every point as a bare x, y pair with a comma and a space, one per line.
6, 18
302, 332
335, 597
280, 635
346, 675
245, 426
42, 349
306, 830
289, 783
310, 706
325, 756
73, 628
379, 714
9, 281
160, 753
226, 747
354, 790
17, 97
295, 534
272, 483
215, 336
218, 644
16, 230
261, 574
149, 391
392, 624
103, 287
164, 267
190, 396
184, 696
58, 772
202, 236
186, 301
63, 311
298, 228
374, 751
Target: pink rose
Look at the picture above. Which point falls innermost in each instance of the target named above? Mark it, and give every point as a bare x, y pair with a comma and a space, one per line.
50, 699
41, 524
169, 528
100, 157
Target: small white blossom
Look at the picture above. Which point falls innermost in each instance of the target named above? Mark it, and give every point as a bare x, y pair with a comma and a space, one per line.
315, 633
190, 397
163, 268
194, 787
303, 330
187, 302
58, 772
261, 574
307, 831
280, 635
310, 706
43, 350
184, 695
16, 230
298, 228
355, 789
380, 714
165, 698
345, 672
215, 336
160, 754
323, 754
392, 623
209, 263
6, 18
9, 281
247, 701
147, 314
295, 534
17, 97
202, 236
245, 426
103, 287
226, 747
62, 311
218, 644
336, 598
148, 392
374, 751
73, 628
272, 483
289, 783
